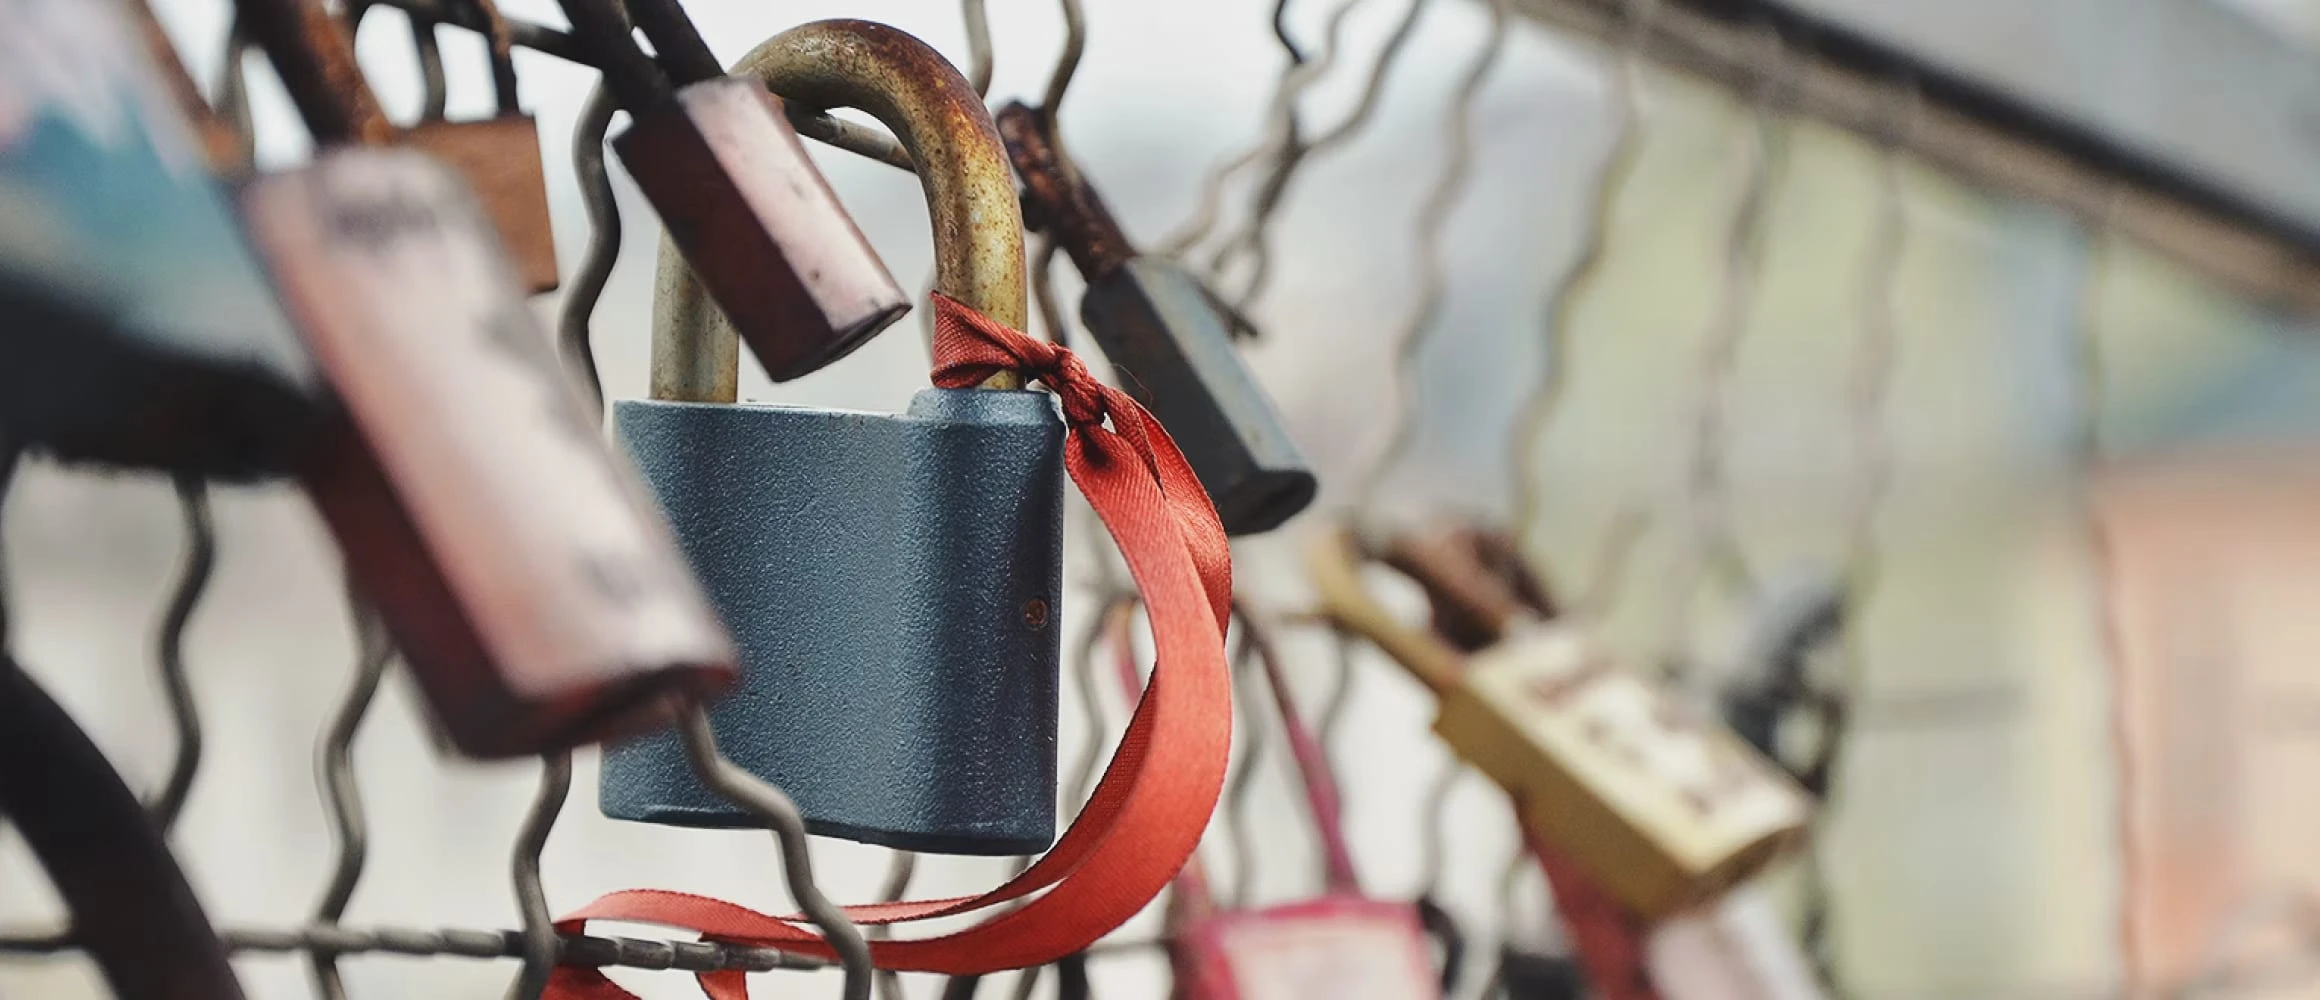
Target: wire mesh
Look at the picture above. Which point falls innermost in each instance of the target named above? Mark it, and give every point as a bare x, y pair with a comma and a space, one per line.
1286, 149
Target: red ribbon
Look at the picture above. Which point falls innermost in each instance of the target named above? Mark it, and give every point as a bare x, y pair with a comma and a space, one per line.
1147, 814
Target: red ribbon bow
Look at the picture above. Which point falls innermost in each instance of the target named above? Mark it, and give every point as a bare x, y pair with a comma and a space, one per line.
1147, 814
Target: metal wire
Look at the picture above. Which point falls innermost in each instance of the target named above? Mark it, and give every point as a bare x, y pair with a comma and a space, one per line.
1240, 830
579, 950
1059, 83
603, 250
1293, 152
899, 869
1433, 227
341, 796
1711, 543
773, 807
1867, 399
193, 577
1280, 128
979, 60
539, 938
1623, 94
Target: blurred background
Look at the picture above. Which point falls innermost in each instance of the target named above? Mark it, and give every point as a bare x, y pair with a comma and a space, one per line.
2066, 460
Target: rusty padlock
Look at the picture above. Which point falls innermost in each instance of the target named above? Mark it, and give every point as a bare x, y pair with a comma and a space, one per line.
517, 562
1169, 341
500, 158
893, 578
1341, 945
752, 217
1661, 806
136, 326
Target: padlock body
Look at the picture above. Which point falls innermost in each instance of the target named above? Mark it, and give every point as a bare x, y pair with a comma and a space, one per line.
520, 567
761, 228
893, 582
1332, 948
136, 327
1660, 805
1174, 353
500, 159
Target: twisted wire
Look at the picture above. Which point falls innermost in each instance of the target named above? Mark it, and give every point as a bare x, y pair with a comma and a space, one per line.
539, 939
1711, 542
193, 578
603, 250
773, 807
979, 58
1280, 127
1434, 215
342, 796
1240, 829
1867, 399
1292, 152
1623, 93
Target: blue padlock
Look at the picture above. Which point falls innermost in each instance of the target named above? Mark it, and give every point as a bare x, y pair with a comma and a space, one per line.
892, 579
136, 326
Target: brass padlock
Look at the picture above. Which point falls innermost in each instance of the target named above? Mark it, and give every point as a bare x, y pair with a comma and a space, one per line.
537, 596
500, 158
1169, 340
740, 200
1656, 802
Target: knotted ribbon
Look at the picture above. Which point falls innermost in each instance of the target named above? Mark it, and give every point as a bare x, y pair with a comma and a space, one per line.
1147, 814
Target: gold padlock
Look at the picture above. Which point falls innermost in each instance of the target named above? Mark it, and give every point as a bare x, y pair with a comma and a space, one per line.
1655, 801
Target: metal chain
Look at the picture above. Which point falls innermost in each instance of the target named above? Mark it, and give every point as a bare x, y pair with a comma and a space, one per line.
1711, 543
193, 577
1867, 404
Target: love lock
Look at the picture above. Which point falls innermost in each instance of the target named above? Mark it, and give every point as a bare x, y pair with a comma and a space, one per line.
136, 324
892, 579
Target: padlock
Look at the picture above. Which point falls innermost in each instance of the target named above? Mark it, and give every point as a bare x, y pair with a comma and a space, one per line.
500, 159
517, 562
136, 326
783, 263
1169, 341
1663, 807
1339, 946
893, 579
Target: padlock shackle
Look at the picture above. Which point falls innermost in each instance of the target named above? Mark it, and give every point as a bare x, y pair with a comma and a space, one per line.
1059, 201
935, 114
1333, 561
313, 54
1474, 579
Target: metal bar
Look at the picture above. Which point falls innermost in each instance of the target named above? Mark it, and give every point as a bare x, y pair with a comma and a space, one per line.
578, 950
1972, 143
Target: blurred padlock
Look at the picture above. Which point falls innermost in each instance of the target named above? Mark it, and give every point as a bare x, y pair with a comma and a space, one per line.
500, 159
1661, 806
1339, 946
893, 579
136, 326
1168, 340
517, 562
783, 263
